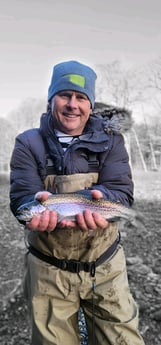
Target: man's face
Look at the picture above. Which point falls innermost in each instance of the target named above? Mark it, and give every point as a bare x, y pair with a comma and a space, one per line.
71, 111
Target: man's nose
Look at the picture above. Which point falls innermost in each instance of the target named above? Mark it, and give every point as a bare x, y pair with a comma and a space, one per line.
72, 102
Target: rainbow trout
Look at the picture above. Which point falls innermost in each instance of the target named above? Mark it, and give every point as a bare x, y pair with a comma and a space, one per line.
69, 204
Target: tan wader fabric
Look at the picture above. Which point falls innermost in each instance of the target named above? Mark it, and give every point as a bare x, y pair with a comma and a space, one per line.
72, 243
56, 296
70, 183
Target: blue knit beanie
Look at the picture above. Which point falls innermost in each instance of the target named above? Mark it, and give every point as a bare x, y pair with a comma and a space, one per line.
73, 75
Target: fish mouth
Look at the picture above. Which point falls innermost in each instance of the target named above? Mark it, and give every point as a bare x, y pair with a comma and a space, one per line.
24, 217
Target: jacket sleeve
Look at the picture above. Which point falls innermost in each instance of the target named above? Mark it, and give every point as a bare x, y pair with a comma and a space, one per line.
115, 178
25, 178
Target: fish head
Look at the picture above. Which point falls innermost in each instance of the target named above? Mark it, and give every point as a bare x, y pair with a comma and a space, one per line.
26, 211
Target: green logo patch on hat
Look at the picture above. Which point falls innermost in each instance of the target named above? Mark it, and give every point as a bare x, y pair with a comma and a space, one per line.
76, 79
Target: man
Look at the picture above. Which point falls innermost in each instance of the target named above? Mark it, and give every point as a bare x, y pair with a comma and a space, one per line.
72, 264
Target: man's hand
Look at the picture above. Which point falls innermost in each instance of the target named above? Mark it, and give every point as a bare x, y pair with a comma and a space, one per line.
45, 221
88, 220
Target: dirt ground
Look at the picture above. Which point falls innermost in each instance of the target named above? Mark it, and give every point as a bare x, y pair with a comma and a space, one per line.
143, 252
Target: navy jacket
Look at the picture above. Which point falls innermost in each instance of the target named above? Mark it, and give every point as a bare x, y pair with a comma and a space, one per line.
34, 146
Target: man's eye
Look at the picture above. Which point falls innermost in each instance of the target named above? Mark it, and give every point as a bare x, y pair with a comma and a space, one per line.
64, 95
81, 97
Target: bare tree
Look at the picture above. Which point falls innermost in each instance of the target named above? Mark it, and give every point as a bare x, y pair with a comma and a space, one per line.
7, 134
18, 120
117, 85
122, 88
154, 81
27, 115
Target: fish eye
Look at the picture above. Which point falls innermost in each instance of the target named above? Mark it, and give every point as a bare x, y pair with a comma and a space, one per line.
25, 208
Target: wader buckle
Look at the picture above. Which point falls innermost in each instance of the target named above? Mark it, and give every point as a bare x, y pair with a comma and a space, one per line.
70, 265
75, 266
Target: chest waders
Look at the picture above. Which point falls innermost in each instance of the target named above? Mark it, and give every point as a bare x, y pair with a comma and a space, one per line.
67, 184
72, 183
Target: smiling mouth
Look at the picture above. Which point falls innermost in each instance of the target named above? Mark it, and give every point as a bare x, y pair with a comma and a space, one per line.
72, 116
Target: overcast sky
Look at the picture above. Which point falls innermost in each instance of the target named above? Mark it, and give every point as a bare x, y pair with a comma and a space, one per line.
36, 34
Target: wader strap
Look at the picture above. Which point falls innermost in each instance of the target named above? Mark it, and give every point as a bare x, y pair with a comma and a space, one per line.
93, 164
75, 266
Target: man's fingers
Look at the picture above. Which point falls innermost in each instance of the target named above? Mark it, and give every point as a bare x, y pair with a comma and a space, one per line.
91, 221
67, 223
81, 222
47, 221
52, 222
100, 221
96, 194
42, 196
33, 224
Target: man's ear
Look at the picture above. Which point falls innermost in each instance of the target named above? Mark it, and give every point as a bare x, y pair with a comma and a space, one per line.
91, 110
48, 108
